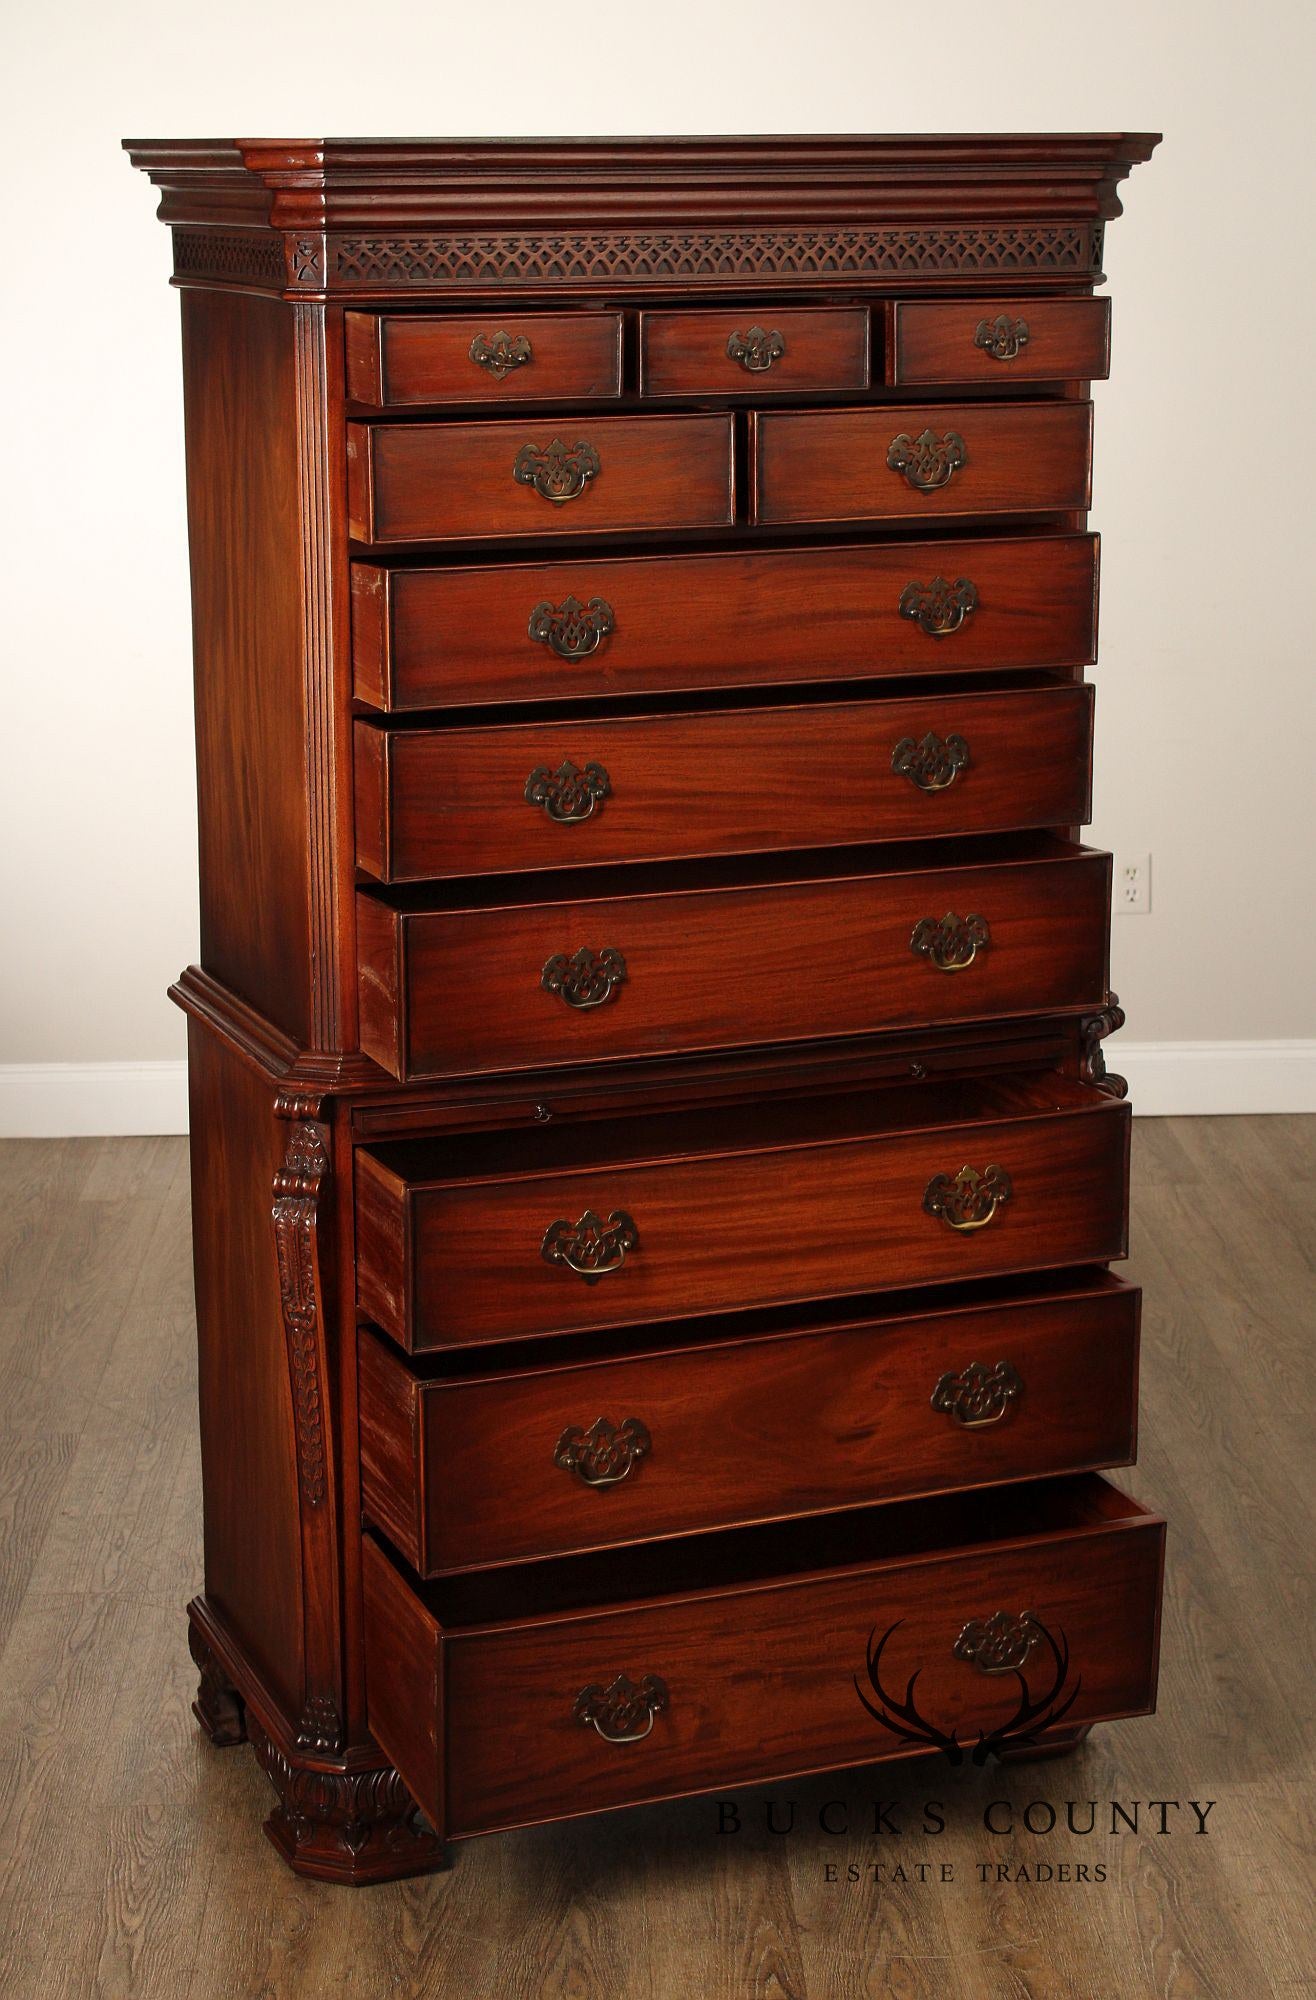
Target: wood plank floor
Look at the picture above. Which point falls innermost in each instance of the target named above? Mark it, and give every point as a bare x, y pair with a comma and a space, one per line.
132, 1861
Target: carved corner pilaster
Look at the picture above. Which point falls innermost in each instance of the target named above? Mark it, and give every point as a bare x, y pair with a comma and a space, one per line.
301, 1188
346, 1826
1094, 1029
218, 1707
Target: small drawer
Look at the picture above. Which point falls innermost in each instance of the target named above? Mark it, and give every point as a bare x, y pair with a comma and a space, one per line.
396, 361
626, 1223
581, 475
991, 341
753, 350
522, 796
908, 462
625, 968
610, 1679
436, 638
804, 1418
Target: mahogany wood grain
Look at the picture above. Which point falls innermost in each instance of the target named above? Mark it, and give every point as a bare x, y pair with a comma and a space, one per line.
398, 361
685, 353
461, 1471
932, 340
448, 802
423, 482
456, 991
820, 1199
433, 638
761, 1674
831, 465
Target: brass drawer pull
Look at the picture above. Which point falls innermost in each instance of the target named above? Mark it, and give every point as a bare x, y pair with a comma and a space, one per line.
939, 608
757, 349
558, 472
501, 354
592, 1248
970, 1200
999, 1644
605, 1454
622, 1713
932, 765
571, 629
950, 943
568, 795
927, 461
586, 979
1003, 338
978, 1395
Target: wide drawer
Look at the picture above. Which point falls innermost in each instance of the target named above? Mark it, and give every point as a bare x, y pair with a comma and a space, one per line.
450, 988
621, 1223
800, 1418
902, 463
605, 1680
753, 350
395, 361
524, 796
435, 638
566, 476
997, 340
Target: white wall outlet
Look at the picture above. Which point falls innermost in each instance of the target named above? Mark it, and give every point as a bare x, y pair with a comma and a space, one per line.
1133, 884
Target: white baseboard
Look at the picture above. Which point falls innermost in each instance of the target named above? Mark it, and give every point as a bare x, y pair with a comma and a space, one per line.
1166, 1080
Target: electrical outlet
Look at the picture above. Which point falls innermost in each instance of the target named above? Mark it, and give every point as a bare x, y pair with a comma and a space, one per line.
1133, 885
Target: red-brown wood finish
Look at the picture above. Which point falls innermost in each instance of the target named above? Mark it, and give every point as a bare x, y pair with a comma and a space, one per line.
759, 1676
833, 465
435, 638
399, 361
446, 802
732, 1209
753, 350
456, 991
1042, 340
461, 1471
427, 482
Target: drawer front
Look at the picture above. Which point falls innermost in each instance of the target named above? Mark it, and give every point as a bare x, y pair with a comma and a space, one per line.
456, 993
581, 475
433, 802
993, 341
753, 350
395, 361
742, 1684
452, 1265
433, 638
513, 1467
905, 463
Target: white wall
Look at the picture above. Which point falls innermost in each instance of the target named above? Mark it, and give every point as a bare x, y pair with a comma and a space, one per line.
1203, 465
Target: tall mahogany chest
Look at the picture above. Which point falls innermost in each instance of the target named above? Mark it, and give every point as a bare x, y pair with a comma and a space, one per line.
655, 1176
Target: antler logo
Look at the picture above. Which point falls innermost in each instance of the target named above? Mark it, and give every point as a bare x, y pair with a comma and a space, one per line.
1030, 1718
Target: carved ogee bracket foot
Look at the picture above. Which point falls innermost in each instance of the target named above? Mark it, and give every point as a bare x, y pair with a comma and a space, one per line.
354, 1827
218, 1707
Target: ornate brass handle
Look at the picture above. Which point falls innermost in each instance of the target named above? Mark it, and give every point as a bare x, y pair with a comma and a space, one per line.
950, 942
571, 629
938, 608
586, 979
568, 795
970, 1200
927, 461
500, 354
978, 1395
622, 1713
604, 1454
557, 472
932, 765
999, 1644
592, 1248
1003, 338
757, 349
